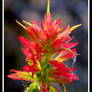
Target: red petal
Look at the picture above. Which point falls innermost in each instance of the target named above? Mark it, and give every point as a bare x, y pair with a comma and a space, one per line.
71, 45
43, 89
63, 70
65, 33
58, 22
69, 39
26, 43
28, 54
17, 75
56, 63
62, 29
28, 68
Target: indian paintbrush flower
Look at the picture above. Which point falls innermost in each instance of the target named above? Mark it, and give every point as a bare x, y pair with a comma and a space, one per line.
46, 51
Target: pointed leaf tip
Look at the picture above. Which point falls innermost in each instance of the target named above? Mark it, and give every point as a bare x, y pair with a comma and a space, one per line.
74, 27
48, 6
27, 23
21, 24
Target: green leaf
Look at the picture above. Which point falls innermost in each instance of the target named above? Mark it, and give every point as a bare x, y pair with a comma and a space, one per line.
34, 87
53, 88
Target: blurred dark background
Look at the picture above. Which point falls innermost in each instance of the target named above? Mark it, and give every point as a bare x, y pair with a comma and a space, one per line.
71, 12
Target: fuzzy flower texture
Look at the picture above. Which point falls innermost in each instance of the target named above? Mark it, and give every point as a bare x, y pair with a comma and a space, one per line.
46, 51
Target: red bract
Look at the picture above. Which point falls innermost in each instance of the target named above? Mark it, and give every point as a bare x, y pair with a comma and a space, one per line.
32, 69
61, 72
43, 88
46, 51
20, 75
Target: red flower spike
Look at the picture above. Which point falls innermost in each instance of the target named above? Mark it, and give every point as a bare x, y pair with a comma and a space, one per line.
46, 51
